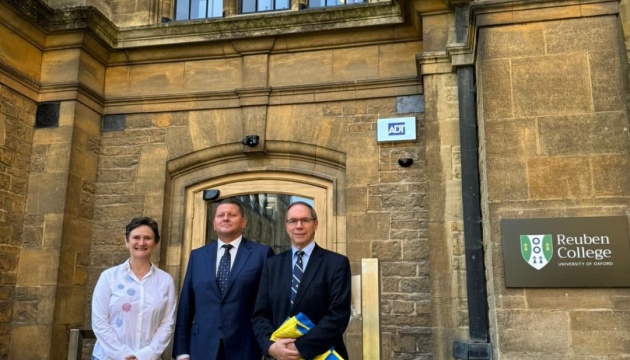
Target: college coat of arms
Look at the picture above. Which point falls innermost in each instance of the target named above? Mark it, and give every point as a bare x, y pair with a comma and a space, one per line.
537, 250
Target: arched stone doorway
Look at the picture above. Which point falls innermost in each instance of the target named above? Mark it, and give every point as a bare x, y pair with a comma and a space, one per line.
308, 172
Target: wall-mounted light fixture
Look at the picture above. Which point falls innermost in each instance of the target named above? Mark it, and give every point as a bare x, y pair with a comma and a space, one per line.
211, 194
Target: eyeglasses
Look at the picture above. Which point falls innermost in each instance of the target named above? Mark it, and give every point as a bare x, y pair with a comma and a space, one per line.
293, 222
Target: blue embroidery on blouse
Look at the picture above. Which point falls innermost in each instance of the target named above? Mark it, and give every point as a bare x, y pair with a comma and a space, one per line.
131, 292
119, 322
121, 286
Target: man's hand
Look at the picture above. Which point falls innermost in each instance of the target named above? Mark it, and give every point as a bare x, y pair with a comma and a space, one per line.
284, 349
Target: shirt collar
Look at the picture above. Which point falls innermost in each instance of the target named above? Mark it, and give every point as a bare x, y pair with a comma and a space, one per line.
235, 243
127, 268
308, 250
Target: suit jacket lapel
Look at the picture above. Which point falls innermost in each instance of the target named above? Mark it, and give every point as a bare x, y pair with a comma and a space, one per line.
311, 269
284, 285
242, 255
211, 267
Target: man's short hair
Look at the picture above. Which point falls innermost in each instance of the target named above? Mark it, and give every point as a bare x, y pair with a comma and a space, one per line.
232, 202
313, 213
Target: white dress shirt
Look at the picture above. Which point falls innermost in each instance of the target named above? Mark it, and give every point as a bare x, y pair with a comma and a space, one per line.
220, 251
132, 316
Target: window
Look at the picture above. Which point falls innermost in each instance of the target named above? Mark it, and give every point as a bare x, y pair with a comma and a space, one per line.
250, 6
324, 3
201, 9
198, 9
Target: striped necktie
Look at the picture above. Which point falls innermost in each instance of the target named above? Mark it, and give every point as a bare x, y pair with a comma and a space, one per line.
298, 271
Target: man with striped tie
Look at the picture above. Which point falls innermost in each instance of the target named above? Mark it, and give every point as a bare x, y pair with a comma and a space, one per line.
306, 279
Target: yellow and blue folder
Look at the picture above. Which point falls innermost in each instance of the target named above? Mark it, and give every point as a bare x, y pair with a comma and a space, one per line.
298, 325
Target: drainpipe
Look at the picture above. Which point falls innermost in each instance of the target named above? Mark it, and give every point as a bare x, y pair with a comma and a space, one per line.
478, 345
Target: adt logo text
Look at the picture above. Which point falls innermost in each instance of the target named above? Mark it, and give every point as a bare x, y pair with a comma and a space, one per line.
396, 129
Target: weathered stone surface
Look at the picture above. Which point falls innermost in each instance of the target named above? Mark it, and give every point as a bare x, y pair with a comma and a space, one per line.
46, 193
37, 267
210, 128
603, 133
395, 59
219, 74
92, 72
415, 249
510, 139
35, 338
609, 180
563, 82
561, 299
6, 311
559, 178
368, 226
155, 79
613, 342
507, 179
548, 330
435, 31
301, 68
607, 92
61, 64
19, 50
512, 41
568, 35
497, 100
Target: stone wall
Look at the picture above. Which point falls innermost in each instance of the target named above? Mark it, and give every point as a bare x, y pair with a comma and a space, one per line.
131, 182
17, 114
554, 129
553, 133
131, 175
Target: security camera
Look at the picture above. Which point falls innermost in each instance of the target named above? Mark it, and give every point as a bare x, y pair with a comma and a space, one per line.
405, 162
251, 140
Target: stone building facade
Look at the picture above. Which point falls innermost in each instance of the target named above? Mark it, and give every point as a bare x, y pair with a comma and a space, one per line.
147, 114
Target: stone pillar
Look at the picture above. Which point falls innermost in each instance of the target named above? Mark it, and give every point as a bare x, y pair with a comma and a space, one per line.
51, 272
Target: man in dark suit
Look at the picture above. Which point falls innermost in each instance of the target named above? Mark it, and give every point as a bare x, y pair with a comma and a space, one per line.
219, 291
321, 291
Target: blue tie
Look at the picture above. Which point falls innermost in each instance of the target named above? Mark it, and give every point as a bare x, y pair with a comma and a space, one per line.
224, 268
298, 271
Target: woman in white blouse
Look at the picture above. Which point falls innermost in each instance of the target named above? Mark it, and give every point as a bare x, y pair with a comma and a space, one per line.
133, 305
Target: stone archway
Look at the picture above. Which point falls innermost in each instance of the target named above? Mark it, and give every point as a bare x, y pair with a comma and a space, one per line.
285, 167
